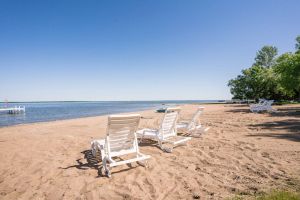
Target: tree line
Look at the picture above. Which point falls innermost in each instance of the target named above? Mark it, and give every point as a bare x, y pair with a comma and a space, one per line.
270, 76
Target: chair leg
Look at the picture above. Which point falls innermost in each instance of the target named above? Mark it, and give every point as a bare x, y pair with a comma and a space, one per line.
129, 165
167, 149
106, 168
94, 150
143, 163
140, 140
199, 131
98, 155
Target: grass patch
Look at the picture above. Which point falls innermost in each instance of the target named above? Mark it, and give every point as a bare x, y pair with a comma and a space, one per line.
280, 195
273, 195
286, 102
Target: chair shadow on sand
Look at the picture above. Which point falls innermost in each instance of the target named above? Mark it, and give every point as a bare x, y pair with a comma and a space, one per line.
94, 163
239, 108
148, 143
91, 162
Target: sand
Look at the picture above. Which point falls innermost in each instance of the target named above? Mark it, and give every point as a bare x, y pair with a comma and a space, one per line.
242, 153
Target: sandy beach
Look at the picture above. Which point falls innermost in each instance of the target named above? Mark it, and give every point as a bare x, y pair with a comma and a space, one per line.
242, 153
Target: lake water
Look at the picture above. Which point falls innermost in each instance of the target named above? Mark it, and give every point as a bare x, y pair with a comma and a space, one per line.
50, 111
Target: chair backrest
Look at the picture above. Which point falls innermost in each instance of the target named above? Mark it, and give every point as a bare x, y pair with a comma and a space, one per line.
269, 103
168, 125
195, 117
173, 109
261, 101
121, 134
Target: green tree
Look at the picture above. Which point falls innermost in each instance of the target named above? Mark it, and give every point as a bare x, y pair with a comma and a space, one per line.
254, 83
270, 77
288, 71
238, 87
266, 56
298, 44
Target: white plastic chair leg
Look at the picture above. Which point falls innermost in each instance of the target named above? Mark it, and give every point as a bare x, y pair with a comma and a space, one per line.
106, 168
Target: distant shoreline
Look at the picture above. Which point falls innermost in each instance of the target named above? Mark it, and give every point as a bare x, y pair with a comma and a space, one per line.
62, 110
115, 101
69, 119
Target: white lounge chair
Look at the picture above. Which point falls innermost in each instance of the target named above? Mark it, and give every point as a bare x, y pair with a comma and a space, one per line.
173, 109
260, 103
193, 126
265, 105
120, 140
167, 132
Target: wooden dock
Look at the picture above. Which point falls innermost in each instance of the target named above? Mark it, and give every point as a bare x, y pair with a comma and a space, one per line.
13, 110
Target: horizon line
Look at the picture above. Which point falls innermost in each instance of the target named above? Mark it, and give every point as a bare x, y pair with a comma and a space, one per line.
45, 101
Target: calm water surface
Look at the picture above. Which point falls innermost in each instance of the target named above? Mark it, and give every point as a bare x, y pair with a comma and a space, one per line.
50, 111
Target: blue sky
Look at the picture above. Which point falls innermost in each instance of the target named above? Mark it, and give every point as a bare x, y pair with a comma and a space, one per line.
135, 50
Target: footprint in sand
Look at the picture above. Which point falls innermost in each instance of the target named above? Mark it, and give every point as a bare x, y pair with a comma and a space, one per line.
266, 155
211, 154
251, 148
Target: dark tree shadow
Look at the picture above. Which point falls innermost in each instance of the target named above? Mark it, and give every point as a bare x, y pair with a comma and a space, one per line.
246, 110
287, 112
280, 111
291, 136
239, 109
237, 105
291, 126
